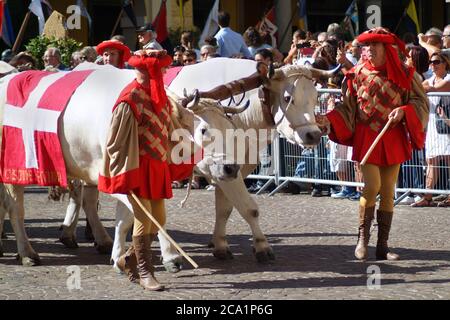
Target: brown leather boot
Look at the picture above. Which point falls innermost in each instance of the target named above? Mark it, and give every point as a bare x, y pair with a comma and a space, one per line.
384, 220
127, 263
365, 222
142, 246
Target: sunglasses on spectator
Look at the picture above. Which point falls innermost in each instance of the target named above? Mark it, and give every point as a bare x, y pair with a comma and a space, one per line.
445, 35
435, 62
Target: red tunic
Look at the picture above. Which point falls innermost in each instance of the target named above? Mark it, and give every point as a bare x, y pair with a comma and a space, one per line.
151, 179
396, 145
152, 176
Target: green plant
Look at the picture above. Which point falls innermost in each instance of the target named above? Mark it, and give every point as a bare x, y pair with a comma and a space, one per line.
37, 46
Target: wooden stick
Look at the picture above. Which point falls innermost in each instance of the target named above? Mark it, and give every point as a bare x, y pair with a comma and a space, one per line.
19, 38
161, 229
117, 23
374, 144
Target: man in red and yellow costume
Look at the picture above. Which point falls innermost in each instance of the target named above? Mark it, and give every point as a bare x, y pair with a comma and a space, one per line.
136, 159
375, 91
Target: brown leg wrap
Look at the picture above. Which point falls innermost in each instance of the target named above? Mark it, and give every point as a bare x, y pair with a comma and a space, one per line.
142, 246
384, 220
366, 216
127, 263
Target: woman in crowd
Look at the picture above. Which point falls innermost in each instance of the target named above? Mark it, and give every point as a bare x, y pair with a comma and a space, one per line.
437, 146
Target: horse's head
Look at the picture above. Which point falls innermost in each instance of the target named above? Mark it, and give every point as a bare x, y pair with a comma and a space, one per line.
294, 98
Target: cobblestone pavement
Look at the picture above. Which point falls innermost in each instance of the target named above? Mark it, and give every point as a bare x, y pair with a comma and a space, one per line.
313, 239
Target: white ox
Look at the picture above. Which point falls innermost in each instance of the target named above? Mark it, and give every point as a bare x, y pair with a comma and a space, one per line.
292, 101
83, 131
293, 98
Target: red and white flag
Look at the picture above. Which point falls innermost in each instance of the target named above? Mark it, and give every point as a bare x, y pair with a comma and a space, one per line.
267, 25
30, 150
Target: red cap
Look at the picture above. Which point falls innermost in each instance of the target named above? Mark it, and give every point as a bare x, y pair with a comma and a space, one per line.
396, 72
125, 51
153, 66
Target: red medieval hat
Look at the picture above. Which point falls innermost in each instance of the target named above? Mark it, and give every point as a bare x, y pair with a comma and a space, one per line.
396, 71
123, 49
153, 66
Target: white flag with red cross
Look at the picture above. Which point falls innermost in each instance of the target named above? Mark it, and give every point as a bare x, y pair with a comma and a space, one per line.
32, 103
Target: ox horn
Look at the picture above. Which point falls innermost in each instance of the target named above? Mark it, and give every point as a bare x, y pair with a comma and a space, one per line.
194, 98
233, 110
322, 74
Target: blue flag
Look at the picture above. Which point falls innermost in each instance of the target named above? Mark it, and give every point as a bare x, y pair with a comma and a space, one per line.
7, 28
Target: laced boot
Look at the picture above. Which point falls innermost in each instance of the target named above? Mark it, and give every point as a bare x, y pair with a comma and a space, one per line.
365, 222
384, 220
142, 246
127, 263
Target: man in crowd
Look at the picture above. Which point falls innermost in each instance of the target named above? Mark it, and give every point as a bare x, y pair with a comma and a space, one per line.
230, 42
52, 59
434, 40
147, 37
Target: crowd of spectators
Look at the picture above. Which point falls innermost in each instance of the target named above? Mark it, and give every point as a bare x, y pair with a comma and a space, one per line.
429, 54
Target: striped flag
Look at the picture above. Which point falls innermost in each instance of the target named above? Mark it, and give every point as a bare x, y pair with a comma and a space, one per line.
36, 8
267, 25
160, 26
411, 18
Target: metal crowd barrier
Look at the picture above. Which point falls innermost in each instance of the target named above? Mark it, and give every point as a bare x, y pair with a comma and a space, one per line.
330, 164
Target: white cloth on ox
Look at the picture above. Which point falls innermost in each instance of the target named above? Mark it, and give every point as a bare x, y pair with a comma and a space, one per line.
33, 103
210, 74
95, 98
87, 118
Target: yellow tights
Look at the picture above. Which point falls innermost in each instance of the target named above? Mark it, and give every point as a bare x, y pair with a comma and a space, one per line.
379, 180
142, 224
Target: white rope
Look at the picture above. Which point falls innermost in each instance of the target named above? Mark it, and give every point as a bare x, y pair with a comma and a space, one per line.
188, 192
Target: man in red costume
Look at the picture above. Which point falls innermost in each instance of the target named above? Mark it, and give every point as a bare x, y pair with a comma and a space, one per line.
136, 159
375, 91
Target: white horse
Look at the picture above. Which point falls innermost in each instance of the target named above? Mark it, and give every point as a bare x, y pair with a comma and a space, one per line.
83, 130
